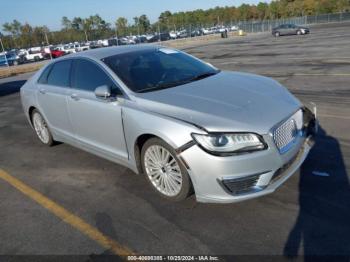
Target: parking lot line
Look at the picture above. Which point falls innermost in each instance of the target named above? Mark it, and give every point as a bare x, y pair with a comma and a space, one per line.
66, 216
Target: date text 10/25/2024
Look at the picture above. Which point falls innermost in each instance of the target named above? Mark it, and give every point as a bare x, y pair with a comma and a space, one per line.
173, 258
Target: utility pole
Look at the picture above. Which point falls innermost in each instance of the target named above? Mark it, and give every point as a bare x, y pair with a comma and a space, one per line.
48, 45
116, 35
86, 37
158, 32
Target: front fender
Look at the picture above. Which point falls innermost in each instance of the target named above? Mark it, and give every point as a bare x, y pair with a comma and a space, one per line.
173, 131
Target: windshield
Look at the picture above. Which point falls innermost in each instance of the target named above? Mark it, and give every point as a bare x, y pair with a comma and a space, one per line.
150, 70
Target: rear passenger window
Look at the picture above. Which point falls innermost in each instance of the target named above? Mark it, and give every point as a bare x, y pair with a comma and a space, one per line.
43, 78
59, 75
88, 76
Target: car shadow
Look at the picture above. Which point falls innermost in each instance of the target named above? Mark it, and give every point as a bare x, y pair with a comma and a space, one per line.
322, 227
11, 87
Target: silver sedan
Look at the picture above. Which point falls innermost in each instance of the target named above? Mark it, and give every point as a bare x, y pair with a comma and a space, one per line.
184, 124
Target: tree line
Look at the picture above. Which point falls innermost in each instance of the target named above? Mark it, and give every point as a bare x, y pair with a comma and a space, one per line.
95, 27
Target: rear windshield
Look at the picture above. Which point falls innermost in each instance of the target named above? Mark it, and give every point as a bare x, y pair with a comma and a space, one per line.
148, 70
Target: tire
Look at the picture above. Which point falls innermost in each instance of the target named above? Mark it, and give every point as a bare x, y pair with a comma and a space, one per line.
277, 34
41, 128
36, 58
171, 181
298, 32
15, 63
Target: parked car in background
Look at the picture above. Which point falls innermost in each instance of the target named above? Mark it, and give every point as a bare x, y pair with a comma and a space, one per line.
290, 29
234, 28
131, 40
141, 39
159, 37
196, 33
94, 44
55, 52
104, 42
11, 58
81, 47
149, 37
221, 29
172, 35
69, 49
179, 121
123, 41
33, 54
208, 31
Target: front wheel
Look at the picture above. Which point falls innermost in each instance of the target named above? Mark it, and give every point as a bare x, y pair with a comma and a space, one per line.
164, 171
277, 34
41, 128
298, 32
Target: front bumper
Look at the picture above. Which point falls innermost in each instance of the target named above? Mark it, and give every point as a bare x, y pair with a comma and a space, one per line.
231, 179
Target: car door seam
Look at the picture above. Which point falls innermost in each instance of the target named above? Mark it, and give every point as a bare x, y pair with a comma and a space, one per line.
123, 128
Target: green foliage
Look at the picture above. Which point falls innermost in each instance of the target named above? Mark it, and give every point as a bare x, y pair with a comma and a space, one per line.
94, 27
121, 25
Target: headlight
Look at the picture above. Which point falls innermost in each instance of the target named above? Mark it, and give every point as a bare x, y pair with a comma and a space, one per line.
229, 143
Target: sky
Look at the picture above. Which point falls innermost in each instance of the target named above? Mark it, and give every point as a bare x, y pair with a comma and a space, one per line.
48, 12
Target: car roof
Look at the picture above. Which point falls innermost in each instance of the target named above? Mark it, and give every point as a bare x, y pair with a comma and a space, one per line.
100, 53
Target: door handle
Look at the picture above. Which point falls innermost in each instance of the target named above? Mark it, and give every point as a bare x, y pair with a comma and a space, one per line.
42, 91
74, 97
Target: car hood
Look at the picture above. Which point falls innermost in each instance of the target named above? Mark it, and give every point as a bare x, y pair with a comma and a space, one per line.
227, 101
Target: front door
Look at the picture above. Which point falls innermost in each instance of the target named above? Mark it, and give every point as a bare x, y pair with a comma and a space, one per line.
97, 123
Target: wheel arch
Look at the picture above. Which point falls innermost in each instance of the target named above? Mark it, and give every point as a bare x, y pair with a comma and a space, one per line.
139, 142
30, 112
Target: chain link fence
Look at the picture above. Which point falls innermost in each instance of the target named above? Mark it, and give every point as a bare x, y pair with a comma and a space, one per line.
251, 26
267, 25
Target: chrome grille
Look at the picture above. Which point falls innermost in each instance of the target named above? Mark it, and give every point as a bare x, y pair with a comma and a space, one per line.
286, 133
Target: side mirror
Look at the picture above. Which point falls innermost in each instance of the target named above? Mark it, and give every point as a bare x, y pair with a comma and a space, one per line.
103, 92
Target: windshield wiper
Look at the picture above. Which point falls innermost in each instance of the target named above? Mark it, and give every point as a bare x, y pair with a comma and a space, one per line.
176, 83
204, 75
164, 85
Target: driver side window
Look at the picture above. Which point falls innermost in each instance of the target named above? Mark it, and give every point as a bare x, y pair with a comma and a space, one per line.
87, 76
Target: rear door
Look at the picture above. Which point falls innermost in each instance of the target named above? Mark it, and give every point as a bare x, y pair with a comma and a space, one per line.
53, 88
97, 123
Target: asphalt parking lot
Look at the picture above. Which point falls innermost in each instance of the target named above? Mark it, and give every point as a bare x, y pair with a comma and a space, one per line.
308, 215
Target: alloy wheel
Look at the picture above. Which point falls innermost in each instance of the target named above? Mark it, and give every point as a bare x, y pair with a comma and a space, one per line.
163, 170
41, 128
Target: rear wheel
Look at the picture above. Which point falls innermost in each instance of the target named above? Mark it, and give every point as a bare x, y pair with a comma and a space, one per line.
41, 129
164, 171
